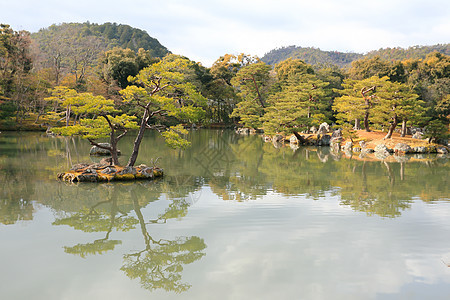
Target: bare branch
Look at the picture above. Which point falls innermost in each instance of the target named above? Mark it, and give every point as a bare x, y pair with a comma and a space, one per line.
93, 143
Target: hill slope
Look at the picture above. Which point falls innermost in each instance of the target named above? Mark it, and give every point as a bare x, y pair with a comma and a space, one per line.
312, 56
76, 40
315, 56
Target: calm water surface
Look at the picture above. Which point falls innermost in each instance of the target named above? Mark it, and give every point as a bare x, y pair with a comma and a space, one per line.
234, 218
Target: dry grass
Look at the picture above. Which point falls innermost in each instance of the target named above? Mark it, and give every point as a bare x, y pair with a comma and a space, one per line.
375, 138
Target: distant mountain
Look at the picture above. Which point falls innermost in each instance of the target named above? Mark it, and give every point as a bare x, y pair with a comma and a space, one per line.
104, 36
312, 56
398, 53
316, 57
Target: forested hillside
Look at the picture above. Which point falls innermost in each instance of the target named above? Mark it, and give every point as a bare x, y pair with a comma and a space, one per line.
310, 55
315, 56
415, 52
108, 35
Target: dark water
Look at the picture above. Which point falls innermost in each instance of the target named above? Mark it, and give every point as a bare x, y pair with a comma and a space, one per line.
234, 218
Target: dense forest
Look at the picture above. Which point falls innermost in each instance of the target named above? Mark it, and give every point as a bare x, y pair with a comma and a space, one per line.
104, 80
317, 57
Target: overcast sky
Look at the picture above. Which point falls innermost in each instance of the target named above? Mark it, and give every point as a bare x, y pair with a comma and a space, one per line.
204, 30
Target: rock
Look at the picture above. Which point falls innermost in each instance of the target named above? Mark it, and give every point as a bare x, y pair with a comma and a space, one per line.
441, 150
348, 146
267, 139
418, 135
107, 161
293, 139
89, 171
356, 149
381, 148
362, 144
145, 172
86, 178
336, 140
100, 151
79, 167
313, 130
323, 128
337, 133
278, 138
402, 148
367, 150
243, 131
420, 150
381, 151
109, 170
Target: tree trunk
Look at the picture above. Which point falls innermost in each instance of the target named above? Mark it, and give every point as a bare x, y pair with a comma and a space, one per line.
258, 93
138, 140
366, 121
404, 129
300, 138
67, 115
114, 156
357, 124
392, 127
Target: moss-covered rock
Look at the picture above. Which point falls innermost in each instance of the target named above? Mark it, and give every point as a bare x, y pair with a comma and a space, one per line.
96, 173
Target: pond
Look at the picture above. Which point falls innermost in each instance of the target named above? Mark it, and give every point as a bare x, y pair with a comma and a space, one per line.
233, 218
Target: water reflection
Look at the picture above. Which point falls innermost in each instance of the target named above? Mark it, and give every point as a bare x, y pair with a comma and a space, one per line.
235, 168
118, 207
299, 232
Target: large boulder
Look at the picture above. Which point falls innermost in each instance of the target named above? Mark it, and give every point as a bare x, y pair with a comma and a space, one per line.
293, 139
402, 148
348, 146
323, 128
382, 148
100, 151
382, 151
420, 149
418, 135
337, 133
278, 138
441, 150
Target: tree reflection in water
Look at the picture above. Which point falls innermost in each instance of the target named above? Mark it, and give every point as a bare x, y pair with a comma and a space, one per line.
159, 264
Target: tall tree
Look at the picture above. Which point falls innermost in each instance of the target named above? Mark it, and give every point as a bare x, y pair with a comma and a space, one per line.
396, 102
301, 103
161, 89
358, 99
252, 83
15, 65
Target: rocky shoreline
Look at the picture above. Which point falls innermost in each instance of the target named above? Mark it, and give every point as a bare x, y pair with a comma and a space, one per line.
379, 148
